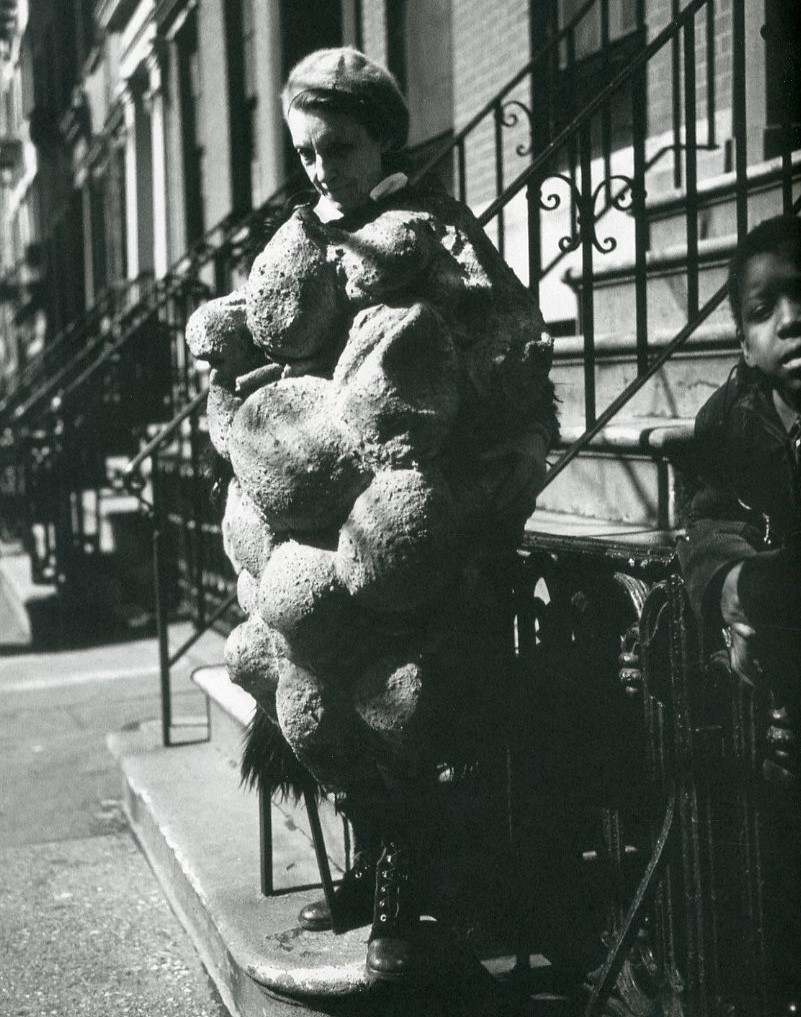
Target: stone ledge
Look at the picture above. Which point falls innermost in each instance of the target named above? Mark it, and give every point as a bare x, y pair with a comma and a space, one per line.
562, 524
713, 252
715, 337
31, 610
199, 831
759, 175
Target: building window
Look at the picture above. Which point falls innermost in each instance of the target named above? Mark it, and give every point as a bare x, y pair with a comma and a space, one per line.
191, 143
590, 58
589, 37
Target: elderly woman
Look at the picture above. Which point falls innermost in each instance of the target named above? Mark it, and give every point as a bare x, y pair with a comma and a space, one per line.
380, 387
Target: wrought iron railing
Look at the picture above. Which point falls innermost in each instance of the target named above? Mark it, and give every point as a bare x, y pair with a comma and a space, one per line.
52, 356
668, 866
127, 376
569, 158
193, 579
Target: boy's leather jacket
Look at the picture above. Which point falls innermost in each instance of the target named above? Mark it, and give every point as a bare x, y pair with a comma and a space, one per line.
746, 505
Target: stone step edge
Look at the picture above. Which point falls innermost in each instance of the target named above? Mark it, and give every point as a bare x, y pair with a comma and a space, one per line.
707, 337
546, 523
760, 176
239, 935
713, 252
212, 679
198, 839
235, 707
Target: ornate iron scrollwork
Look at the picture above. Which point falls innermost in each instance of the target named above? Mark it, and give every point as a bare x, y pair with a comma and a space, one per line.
587, 217
509, 117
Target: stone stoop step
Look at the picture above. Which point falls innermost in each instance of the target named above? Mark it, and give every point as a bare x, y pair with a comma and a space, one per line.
199, 831
625, 476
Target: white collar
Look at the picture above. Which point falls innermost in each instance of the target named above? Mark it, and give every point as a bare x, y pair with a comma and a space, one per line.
326, 210
389, 185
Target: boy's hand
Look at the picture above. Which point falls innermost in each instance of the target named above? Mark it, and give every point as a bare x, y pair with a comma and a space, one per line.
740, 639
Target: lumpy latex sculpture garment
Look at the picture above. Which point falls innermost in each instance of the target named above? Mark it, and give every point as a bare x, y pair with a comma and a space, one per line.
375, 385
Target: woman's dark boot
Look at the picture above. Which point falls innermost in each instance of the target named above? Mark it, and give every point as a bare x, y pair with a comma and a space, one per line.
353, 898
392, 952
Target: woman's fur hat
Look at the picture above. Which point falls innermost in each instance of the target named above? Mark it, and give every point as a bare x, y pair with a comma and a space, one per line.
370, 91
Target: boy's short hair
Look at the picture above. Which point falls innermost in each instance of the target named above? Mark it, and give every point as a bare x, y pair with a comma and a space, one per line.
780, 231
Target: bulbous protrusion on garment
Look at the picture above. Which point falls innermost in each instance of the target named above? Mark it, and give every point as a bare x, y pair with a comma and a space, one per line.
396, 385
302, 597
247, 592
320, 726
292, 459
252, 661
396, 549
385, 256
218, 332
248, 540
293, 298
388, 696
222, 405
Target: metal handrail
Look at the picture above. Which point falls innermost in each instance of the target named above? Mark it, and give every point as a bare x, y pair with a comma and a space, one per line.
164, 435
28, 375
201, 252
52, 383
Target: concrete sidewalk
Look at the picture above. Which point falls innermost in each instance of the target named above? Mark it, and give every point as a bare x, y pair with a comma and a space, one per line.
86, 929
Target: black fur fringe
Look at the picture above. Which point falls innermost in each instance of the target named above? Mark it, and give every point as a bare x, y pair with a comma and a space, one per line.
269, 764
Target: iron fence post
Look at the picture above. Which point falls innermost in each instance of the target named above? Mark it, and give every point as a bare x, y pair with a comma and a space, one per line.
160, 582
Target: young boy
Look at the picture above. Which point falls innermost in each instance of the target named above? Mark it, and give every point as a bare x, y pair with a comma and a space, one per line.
742, 555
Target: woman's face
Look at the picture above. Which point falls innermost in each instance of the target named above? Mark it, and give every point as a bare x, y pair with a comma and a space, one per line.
340, 158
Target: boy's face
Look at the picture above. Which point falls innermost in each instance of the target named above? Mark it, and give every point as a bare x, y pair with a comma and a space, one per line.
771, 319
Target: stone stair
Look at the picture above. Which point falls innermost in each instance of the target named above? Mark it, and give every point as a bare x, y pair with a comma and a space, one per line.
199, 830
628, 475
